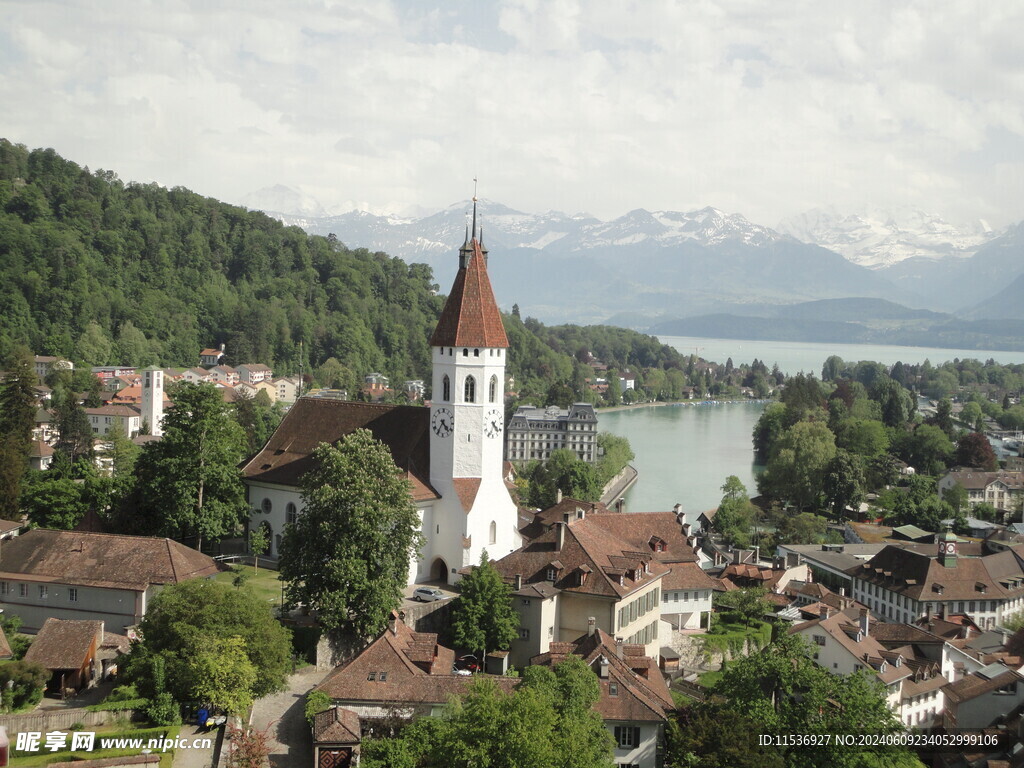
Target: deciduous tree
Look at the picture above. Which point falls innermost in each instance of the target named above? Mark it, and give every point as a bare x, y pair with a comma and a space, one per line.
483, 618
974, 450
347, 556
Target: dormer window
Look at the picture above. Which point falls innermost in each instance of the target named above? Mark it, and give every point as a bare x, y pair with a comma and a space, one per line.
622, 579
552, 574
613, 689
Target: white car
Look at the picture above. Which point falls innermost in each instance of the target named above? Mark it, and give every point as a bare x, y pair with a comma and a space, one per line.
428, 594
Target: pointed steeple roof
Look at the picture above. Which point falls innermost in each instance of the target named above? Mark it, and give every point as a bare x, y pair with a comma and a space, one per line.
470, 317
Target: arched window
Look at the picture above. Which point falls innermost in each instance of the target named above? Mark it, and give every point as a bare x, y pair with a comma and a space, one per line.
291, 514
492, 537
493, 389
267, 506
446, 387
470, 390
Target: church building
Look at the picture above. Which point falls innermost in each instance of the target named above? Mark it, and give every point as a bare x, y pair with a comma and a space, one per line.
451, 453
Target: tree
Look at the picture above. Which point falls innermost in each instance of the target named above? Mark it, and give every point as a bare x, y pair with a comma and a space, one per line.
188, 482
944, 417
547, 722
768, 429
927, 449
259, 542
956, 496
750, 603
709, 735
563, 471
974, 450
783, 690
250, 747
843, 483
797, 465
896, 402
17, 418
75, 431
802, 528
347, 556
221, 674
736, 516
55, 503
483, 618
182, 622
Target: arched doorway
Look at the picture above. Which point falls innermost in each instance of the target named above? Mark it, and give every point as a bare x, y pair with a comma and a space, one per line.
439, 571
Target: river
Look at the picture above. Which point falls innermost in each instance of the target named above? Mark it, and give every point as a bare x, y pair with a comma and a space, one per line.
685, 452
795, 356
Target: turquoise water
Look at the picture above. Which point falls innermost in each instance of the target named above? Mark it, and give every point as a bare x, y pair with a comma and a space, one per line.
795, 356
684, 453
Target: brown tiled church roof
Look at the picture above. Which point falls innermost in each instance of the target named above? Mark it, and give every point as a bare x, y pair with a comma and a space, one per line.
470, 317
287, 456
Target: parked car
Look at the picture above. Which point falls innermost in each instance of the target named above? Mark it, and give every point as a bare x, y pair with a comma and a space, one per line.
428, 594
467, 663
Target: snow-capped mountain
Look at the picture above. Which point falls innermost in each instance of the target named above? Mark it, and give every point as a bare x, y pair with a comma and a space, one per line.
282, 198
877, 238
553, 231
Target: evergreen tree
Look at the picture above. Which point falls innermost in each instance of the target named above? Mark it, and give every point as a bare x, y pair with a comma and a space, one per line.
347, 556
483, 617
17, 418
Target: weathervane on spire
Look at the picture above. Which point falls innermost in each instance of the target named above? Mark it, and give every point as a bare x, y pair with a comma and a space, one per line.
474, 207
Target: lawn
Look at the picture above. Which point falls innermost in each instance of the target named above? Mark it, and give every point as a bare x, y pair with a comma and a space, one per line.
264, 583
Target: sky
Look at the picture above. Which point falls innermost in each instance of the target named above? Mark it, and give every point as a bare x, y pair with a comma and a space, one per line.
767, 109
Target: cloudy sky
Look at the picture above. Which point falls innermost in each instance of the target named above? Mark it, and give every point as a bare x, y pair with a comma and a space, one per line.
765, 109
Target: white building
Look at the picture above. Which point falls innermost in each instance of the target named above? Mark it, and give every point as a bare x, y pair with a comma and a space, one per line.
153, 400
103, 419
451, 453
533, 433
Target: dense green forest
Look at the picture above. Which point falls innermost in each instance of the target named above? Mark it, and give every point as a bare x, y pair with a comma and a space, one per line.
105, 272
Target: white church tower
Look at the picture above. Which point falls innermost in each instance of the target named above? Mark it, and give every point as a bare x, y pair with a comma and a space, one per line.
467, 423
153, 399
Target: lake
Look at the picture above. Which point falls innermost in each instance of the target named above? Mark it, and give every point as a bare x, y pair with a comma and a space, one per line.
685, 452
795, 356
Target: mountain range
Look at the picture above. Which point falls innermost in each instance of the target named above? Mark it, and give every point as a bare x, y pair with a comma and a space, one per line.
646, 268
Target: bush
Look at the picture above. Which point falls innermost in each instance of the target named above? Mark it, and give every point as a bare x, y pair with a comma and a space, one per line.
22, 684
164, 710
316, 702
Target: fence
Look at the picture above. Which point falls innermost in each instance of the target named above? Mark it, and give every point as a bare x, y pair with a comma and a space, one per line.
60, 720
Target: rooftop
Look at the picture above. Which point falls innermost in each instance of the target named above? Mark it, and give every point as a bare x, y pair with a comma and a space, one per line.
470, 317
64, 644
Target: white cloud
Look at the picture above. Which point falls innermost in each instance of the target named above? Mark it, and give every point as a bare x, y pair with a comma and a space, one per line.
763, 109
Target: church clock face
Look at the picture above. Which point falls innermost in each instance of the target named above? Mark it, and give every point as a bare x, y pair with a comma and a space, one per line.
442, 422
493, 423
949, 548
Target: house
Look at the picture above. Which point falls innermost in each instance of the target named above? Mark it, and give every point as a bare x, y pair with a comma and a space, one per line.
533, 433
1003, 490
452, 452
609, 566
197, 376
287, 389
979, 699
44, 364
402, 673
104, 418
375, 387
99, 576
634, 702
686, 597
225, 374
904, 585
415, 389
69, 650
254, 373
107, 373
337, 733
45, 427
627, 380
210, 357
40, 455
844, 645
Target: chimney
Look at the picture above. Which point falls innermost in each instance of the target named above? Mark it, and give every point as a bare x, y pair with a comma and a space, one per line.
826, 611
518, 581
558, 496
221, 347
678, 509
591, 626
686, 530
842, 591
603, 667
618, 647
560, 540
864, 621
620, 505
393, 623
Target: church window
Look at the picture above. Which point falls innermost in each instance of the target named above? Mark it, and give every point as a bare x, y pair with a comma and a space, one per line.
476, 353
470, 393
291, 514
446, 386
492, 393
493, 535
465, 352
267, 505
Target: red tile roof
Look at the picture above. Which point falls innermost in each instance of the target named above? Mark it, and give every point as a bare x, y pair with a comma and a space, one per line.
287, 456
336, 725
106, 560
470, 317
467, 489
64, 644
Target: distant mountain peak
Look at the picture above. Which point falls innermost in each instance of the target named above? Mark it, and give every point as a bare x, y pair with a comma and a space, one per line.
878, 238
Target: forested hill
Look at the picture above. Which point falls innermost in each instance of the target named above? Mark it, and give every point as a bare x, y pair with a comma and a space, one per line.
103, 272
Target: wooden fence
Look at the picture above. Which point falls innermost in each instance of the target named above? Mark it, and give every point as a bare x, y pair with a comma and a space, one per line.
59, 720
